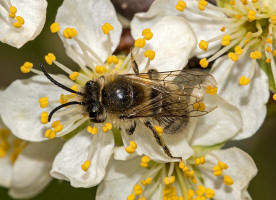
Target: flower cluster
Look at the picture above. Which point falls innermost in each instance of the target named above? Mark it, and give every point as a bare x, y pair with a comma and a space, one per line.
140, 161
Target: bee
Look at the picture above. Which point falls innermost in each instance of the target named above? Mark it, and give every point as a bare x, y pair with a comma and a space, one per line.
166, 99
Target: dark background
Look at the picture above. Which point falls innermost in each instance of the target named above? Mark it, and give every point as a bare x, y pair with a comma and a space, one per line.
261, 146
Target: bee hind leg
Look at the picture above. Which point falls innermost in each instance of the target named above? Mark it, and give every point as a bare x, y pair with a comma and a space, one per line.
160, 142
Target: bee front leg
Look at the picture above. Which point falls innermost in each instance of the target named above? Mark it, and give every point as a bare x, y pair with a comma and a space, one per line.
160, 142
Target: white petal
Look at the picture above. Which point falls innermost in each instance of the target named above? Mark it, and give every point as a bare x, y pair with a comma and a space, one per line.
241, 169
146, 143
6, 171
88, 17
173, 40
204, 27
23, 115
67, 164
219, 125
34, 14
251, 99
31, 169
120, 178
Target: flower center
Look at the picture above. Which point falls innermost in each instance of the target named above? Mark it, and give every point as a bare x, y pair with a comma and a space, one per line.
248, 27
179, 182
8, 12
10, 146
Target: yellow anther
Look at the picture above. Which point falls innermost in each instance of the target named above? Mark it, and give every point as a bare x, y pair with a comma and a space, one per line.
222, 165
159, 130
217, 170
254, 1
180, 6
222, 29
54, 28
191, 193
269, 40
200, 160
212, 90
147, 34
73, 76
137, 189
268, 60
63, 99
100, 69
133, 144
147, 181
144, 165
13, 11
203, 45
273, 19
268, 49
200, 190
112, 59
202, 4
233, 56
181, 165
69, 33
251, 15
169, 180
274, 96
142, 198
57, 126
226, 39
244, 80
238, 16
43, 101
108, 125
19, 22
75, 88
256, 55
238, 50
200, 106
85, 166
106, 28
131, 197
232, 2
130, 150
26, 67
194, 180
228, 180
203, 63
140, 42
44, 117
210, 193
145, 159
190, 173
92, 130
274, 52
150, 54
50, 58
245, 2
50, 134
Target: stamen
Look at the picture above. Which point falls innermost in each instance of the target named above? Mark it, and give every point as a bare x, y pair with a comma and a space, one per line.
225, 41
131, 197
85, 166
13, 11
251, 15
44, 117
106, 28
180, 6
69, 33
200, 106
50, 58
212, 90
274, 96
210, 193
169, 180
200, 161
147, 34
43, 101
202, 4
50, 134
233, 56
228, 180
273, 19
144, 161
92, 130
203, 45
57, 126
26, 67
54, 27
244, 80
107, 127
159, 130
73, 76
203, 63
150, 54
112, 59
140, 42
132, 147
137, 189
256, 55
100, 69
19, 22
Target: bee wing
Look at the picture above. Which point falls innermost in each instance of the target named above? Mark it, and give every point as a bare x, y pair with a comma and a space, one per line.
177, 94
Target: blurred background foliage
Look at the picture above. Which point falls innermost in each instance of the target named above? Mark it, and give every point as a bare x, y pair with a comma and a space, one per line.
261, 146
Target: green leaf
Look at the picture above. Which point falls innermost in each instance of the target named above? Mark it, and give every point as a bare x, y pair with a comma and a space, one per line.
266, 67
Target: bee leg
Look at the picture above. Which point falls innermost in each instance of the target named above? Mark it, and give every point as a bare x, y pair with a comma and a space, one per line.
160, 142
153, 74
132, 128
134, 64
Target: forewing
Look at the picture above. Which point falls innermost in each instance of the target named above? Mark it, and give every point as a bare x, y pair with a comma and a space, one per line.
178, 94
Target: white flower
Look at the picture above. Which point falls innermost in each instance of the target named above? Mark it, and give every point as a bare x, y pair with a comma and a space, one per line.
216, 174
25, 166
21, 20
90, 35
245, 30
